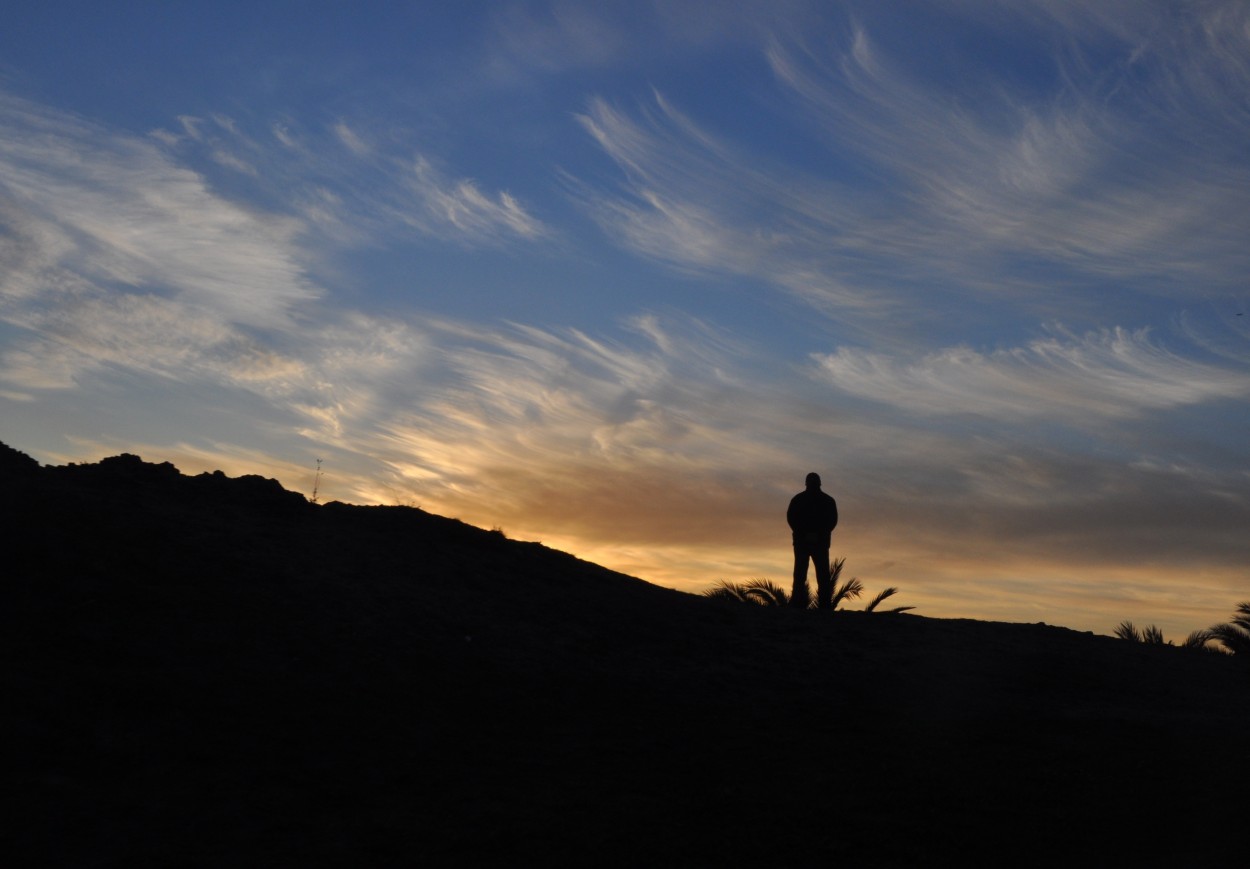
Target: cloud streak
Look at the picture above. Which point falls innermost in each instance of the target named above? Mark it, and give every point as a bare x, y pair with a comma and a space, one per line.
93, 208
1073, 176
354, 188
930, 195
1111, 375
459, 210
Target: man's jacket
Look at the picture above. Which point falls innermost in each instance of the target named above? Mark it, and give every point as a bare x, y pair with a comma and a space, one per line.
812, 516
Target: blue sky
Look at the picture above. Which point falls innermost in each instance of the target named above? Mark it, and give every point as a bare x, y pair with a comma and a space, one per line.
616, 276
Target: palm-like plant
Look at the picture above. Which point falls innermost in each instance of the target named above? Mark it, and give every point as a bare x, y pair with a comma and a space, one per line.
763, 592
1235, 635
766, 593
852, 588
1151, 634
1126, 630
876, 601
1199, 640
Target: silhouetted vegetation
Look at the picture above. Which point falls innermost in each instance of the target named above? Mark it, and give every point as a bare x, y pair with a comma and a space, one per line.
764, 592
845, 590
873, 604
1153, 635
1234, 635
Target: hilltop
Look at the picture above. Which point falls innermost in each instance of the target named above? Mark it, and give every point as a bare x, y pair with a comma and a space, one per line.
212, 671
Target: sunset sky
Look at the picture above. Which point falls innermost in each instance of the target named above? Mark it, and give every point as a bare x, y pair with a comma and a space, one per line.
616, 276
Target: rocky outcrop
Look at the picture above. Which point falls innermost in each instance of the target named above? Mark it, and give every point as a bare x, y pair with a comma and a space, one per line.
16, 464
127, 478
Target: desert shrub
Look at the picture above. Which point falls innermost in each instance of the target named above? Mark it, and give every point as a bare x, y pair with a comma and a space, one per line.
1126, 630
764, 592
1234, 635
1152, 635
872, 606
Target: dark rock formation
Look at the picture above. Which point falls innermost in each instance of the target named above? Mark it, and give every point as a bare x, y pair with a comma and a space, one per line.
15, 464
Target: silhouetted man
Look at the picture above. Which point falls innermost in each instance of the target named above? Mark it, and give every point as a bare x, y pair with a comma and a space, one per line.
812, 516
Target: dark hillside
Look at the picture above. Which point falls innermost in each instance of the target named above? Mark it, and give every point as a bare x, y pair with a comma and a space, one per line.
206, 671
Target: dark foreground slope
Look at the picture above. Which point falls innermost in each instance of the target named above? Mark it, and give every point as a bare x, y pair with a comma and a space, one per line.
203, 671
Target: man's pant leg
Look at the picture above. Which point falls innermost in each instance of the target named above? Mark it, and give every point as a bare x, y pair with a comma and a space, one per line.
824, 584
798, 592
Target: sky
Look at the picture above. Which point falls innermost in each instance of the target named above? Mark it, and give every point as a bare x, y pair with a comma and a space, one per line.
616, 276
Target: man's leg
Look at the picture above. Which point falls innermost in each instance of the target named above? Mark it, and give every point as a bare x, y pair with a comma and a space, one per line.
824, 585
798, 592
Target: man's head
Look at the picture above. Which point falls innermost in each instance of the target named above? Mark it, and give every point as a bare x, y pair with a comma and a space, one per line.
813, 480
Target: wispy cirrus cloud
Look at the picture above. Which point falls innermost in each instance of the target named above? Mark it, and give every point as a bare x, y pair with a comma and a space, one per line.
141, 333
932, 192
576, 434
695, 201
1072, 175
458, 210
92, 207
525, 41
1085, 380
562, 36
117, 255
357, 188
